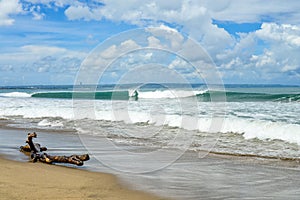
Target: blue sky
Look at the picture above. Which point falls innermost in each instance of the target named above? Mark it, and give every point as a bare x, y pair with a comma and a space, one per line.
45, 42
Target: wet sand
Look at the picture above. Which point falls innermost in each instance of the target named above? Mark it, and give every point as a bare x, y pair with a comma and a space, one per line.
189, 178
21, 180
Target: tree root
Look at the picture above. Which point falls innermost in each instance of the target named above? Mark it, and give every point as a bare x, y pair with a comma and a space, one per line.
36, 153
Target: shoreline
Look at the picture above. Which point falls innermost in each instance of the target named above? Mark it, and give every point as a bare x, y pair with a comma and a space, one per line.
190, 177
22, 179
26, 180
250, 158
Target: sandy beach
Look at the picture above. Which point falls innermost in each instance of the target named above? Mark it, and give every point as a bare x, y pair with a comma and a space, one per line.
189, 178
21, 180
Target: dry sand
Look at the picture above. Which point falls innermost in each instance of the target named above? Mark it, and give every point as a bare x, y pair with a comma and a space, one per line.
41, 181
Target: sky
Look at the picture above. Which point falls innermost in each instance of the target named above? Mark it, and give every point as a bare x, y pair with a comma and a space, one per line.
46, 42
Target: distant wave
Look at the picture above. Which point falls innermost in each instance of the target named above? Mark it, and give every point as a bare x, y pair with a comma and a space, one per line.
15, 94
250, 97
206, 95
107, 95
120, 95
165, 94
201, 95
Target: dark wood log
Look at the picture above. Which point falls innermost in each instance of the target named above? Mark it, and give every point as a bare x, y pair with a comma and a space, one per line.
73, 159
36, 153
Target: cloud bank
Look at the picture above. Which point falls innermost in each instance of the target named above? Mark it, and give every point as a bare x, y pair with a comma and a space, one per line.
266, 55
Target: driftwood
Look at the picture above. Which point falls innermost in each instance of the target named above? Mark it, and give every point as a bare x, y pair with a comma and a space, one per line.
37, 154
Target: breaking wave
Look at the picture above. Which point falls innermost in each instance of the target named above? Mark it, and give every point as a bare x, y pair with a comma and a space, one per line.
15, 94
202, 95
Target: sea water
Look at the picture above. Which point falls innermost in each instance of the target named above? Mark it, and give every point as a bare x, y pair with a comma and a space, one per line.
255, 119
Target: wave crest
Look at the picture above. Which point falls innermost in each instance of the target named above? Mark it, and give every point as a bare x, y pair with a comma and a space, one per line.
169, 94
15, 94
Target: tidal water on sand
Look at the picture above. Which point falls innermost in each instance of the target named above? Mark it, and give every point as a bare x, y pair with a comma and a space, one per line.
190, 177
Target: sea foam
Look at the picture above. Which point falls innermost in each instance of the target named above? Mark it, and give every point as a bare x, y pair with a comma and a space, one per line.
15, 94
240, 119
158, 94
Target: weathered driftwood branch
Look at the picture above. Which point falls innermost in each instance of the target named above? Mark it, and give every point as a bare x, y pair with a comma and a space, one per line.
36, 153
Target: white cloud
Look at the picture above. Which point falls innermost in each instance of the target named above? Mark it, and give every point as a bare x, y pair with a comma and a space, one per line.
41, 59
284, 33
154, 42
102, 58
36, 12
50, 3
8, 8
234, 56
193, 51
182, 67
283, 51
80, 12
255, 10
278, 58
180, 10
194, 18
114, 51
166, 33
266, 59
128, 45
287, 68
34, 7
42, 50
110, 52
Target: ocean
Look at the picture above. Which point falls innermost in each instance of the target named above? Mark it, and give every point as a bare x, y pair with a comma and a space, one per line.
255, 121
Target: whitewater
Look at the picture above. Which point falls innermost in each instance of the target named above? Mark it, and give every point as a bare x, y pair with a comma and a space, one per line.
256, 120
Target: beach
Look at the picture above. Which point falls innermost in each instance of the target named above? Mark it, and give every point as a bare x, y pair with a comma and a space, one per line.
190, 177
25, 180
187, 100
22, 179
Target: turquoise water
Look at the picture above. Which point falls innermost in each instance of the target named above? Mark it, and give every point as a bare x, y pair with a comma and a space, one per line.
109, 95
233, 93
205, 97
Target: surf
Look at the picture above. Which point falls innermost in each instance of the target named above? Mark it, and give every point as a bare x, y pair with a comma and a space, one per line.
249, 97
201, 95
15, 94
